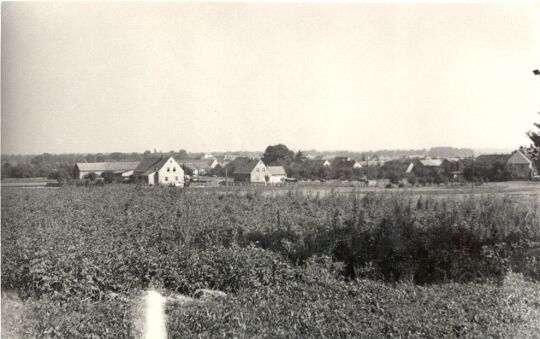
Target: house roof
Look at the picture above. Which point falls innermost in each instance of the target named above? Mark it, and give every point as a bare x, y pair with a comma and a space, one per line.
190, 166
149, 165
106, 166
198, 164
277, 170
238, 162
519, 157
431, 162
409, 168
492, 158
248, 167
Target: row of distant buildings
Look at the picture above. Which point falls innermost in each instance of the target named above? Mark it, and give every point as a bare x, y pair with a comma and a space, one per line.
519, 163
170, 172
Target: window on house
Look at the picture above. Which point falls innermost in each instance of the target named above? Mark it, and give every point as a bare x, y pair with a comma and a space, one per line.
174, 169
176, 178
168, 169
166, 178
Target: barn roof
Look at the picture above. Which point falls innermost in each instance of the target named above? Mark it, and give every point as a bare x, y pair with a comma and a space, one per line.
247, 168
198, 164
238, 162
277, 170
106, 166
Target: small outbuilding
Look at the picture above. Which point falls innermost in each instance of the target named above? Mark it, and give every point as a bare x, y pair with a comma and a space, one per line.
277, 174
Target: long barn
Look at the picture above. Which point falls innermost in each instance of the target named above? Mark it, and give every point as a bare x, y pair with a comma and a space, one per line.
120, 168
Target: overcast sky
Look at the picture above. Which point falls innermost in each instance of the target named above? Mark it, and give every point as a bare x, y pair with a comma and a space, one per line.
103, 77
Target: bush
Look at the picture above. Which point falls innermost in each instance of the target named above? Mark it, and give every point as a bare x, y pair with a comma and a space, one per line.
91, 176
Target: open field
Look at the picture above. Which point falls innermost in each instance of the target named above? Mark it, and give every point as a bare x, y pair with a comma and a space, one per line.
428, 262
28, 182
520, 190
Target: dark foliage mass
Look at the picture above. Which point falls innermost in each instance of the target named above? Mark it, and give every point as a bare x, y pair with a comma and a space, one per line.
75, 247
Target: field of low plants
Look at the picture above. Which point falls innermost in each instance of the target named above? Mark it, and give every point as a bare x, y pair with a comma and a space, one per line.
375, 264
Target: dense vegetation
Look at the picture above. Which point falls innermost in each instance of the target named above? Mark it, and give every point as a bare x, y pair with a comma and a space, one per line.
87, 251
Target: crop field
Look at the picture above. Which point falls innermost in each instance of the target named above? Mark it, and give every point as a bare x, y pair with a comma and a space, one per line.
293, 262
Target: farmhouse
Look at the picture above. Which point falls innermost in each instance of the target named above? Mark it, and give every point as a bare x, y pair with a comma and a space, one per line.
160, 171
277, 174
124, 169
521, 166
253, 171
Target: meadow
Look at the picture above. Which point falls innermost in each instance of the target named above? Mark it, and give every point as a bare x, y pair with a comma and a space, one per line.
386, 263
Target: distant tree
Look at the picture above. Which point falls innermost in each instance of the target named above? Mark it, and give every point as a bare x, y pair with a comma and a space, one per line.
187, 170
300, 157
100, 157
116, 156
412, 179
38, 159
195, 155
6, 169
62, 174
278, 155
534, 148
182, 154
108, 177
218, 171
21, 171
91, 176
90, 158
393, 170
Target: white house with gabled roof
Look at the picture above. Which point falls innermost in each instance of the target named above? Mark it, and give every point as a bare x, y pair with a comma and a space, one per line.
164, 171
253, 171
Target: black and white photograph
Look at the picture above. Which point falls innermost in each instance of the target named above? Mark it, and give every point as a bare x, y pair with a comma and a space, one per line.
270, 169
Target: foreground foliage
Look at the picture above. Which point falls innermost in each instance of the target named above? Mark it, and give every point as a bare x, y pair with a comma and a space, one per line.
65, 251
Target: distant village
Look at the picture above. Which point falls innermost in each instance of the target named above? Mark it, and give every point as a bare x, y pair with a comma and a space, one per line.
278, 165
